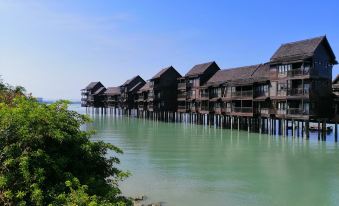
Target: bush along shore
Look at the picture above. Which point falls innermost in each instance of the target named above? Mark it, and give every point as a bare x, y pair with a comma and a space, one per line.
47, 160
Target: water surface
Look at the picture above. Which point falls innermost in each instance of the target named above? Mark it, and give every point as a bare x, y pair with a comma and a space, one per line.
184, 164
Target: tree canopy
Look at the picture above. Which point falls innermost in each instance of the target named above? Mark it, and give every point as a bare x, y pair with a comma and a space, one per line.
46, 159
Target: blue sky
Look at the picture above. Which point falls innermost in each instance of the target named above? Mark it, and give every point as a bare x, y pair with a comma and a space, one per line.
56, 47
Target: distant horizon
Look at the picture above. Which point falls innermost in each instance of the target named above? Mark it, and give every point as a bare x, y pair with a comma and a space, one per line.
55, 48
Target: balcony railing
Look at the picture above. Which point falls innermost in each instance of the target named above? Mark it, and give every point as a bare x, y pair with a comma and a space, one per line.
264, 111
298, 72
191, 96
242, 109
298, 92
204, 95
248, 93
281, 111
182, 95
261, 94
282, 92
192, 108
181, 107
297, 111
182, 86
151, 96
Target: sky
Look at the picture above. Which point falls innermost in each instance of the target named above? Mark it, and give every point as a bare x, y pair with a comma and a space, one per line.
54, 48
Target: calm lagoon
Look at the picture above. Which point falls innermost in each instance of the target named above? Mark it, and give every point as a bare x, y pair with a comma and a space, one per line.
185, 164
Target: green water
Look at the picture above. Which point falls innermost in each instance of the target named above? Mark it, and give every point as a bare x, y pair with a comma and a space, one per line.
183, 164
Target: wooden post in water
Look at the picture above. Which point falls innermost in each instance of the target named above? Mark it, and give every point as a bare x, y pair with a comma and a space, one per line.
307, 129
248, 124
335, 131
238, 123
319, 130
323, 130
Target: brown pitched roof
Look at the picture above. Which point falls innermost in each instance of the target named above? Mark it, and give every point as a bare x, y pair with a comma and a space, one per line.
161, 72
136, 87
199, 69
301, 49
91, 85
241, 75
146, 87
129, 81
100, 91
336, 79
113, 91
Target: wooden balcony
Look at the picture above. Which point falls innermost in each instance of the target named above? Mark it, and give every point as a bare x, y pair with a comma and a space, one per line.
298, 92
204, 96
182, 96
297, 111
84, 92
282, 93
141, 107
204, 109
150, 107
298, 72
242, 94
181, 108
192, 109
242, 109
181, 85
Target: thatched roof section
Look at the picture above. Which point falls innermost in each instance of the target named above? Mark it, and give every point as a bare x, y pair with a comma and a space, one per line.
241, 75
199, 69
113, 91
301, 50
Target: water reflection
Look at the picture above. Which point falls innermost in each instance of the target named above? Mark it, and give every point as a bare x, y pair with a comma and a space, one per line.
185, 164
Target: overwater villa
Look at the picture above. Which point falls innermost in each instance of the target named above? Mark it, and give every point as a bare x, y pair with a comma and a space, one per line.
93, 95
295, 85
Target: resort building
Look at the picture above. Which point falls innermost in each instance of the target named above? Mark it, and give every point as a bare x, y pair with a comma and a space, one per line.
302, 76
162, 95
242, 91
189, 99
129, 92
112, 97
143, 97
295, 85
93, 95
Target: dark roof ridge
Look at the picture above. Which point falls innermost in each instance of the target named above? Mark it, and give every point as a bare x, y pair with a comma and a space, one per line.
299, 41
256, 69
241, 67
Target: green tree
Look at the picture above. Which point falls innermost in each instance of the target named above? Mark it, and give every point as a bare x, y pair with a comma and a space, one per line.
46, 159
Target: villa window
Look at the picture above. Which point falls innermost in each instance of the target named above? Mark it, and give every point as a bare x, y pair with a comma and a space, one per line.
283, 69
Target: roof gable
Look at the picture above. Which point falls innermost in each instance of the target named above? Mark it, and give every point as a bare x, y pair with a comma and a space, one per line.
259, 72
336, 80
163, 71
301, 49
199, 69
113, 91
91, 85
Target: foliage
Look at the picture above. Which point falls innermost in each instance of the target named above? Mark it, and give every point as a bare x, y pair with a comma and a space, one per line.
46, 159
8, 93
